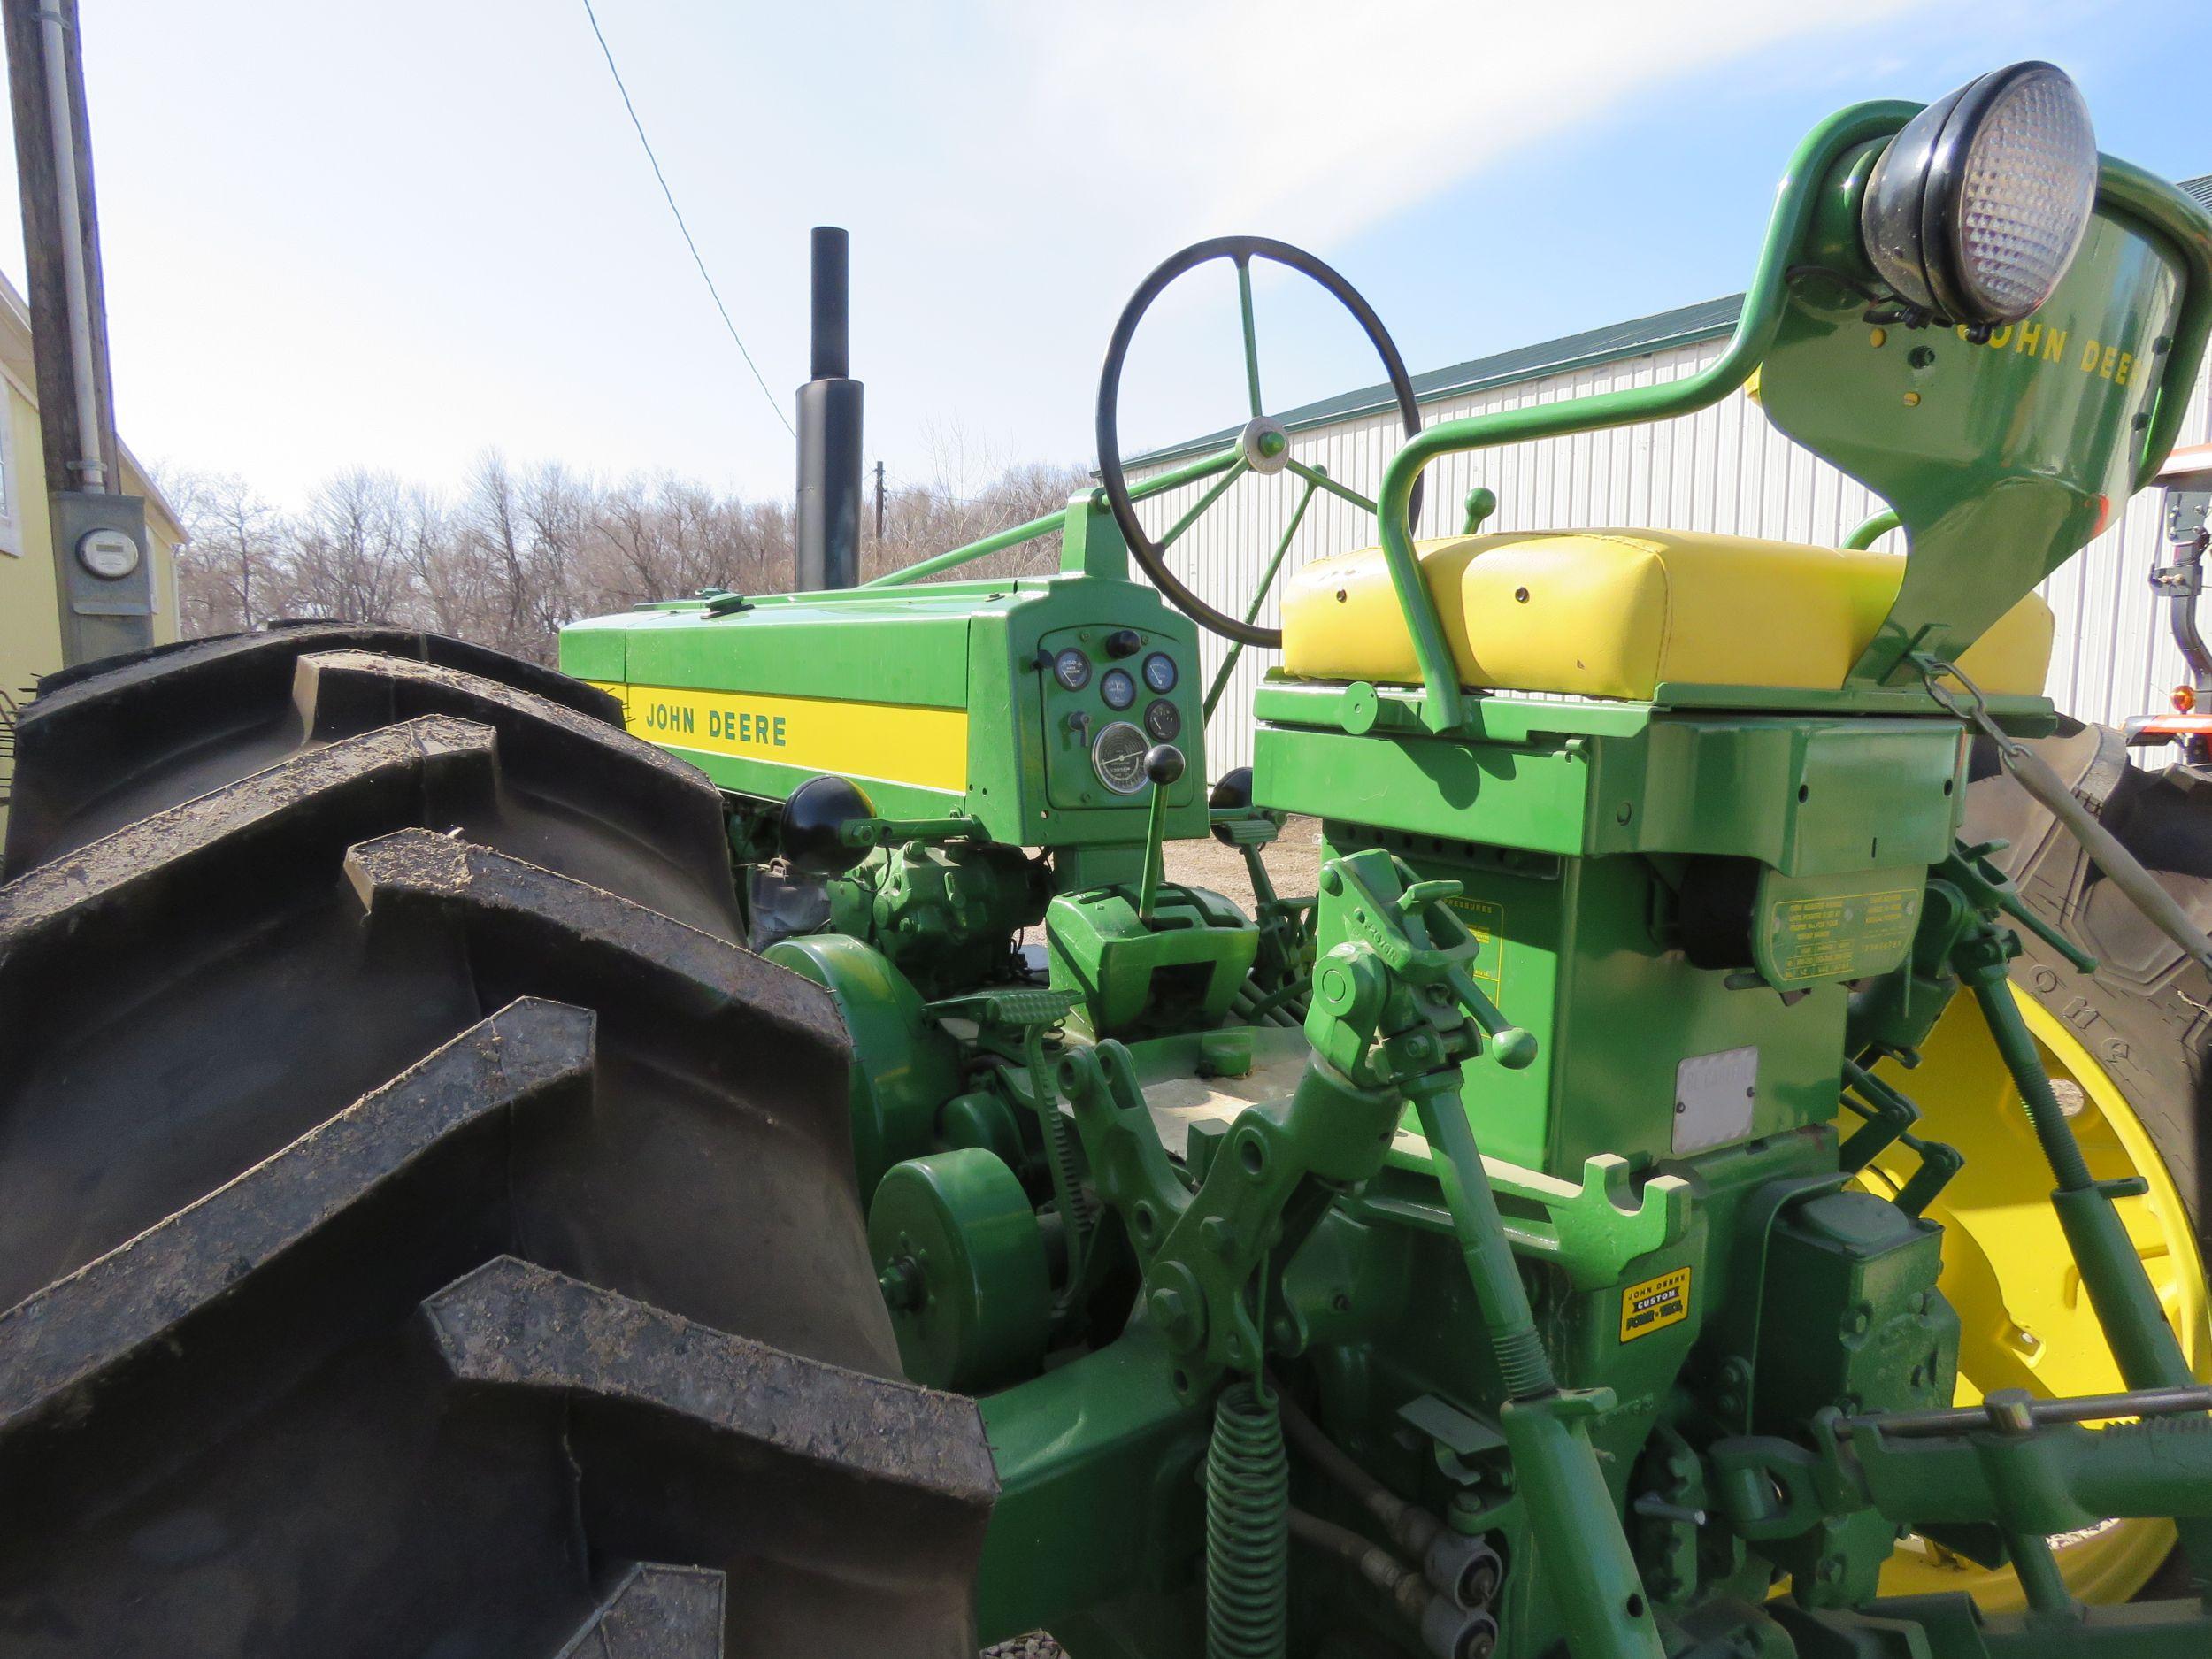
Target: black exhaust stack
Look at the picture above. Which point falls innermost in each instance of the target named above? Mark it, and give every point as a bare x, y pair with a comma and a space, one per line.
829, 430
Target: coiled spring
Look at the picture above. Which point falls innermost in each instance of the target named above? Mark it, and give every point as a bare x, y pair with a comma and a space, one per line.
1248, 1527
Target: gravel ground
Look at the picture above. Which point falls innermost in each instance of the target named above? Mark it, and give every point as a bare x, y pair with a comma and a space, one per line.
1036, 1645
1293, 863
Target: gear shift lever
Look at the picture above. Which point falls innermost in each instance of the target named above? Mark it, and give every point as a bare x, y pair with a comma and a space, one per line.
1163, 764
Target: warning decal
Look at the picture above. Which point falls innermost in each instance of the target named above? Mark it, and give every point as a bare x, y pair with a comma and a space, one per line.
1655, 1304
1487, 922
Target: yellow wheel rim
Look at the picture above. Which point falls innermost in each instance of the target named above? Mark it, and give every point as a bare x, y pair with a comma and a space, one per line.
2025, 1321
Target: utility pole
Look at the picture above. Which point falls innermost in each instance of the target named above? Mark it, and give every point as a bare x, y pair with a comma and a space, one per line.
102, 575
879, 501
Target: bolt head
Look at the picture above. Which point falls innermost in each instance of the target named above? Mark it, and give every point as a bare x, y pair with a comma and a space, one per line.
1171, 1308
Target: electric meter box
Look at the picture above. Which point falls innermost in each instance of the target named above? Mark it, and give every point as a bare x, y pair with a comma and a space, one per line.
107, 580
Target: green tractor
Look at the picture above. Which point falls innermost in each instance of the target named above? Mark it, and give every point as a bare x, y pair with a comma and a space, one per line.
1681, 1187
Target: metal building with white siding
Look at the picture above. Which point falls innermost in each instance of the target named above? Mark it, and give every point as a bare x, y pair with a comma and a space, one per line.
1723, 470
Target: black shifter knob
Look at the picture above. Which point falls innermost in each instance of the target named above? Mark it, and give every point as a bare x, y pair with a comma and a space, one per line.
1164, 764
810, 830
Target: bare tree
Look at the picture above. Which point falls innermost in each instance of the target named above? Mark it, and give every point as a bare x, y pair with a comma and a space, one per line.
560, 517
522, 551
952, 509
446, 582
348, 559
494, 519
228, 574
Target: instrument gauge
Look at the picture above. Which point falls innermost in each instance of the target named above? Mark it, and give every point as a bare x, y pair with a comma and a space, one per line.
1159, 672
1164, 720
1117, 689
1071, 669
1117, 757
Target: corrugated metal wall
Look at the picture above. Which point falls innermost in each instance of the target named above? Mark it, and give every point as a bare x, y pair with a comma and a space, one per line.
1724, 469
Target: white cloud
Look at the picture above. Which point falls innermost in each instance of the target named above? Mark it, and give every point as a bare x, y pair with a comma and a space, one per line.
1337, 116
331, 246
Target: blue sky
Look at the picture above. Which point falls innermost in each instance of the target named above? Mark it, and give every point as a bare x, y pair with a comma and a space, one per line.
390, 236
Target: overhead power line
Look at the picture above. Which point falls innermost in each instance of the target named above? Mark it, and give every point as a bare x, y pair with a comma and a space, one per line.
715, 293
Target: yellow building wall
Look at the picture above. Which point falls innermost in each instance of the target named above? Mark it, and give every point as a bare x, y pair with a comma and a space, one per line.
30, 616
30, 621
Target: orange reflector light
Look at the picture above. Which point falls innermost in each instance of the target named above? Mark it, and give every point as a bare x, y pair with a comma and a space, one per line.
2184, 698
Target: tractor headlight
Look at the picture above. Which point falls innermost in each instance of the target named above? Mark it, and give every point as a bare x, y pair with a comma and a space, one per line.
1979, 204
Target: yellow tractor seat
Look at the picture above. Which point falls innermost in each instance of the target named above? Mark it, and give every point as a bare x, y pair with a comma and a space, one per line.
1619, 613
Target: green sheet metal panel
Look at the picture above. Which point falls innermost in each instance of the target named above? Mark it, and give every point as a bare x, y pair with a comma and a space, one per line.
1568, 847
934, 699
1808, 797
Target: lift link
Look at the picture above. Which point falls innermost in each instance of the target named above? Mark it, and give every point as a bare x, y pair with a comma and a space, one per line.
1890, 1118
1394, 1015
1547, 1428
2027, 1466
1394, 920
2120, 1291
2034, 774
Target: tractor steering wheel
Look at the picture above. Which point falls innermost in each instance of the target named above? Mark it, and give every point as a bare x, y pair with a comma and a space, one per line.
1262, 447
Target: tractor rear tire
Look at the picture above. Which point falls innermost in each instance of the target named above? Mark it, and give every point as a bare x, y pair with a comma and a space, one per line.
2143, 1020
2145, 1014
423, 1228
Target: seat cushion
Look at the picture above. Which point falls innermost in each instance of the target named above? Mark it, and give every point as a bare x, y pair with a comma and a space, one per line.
1619, 613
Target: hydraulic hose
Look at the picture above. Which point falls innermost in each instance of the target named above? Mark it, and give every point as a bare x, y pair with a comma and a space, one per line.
1465, 1569
1324, 1453
1403, 1585
1248, 1007
1447, 1629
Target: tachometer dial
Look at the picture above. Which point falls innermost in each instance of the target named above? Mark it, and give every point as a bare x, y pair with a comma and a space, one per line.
1117, 757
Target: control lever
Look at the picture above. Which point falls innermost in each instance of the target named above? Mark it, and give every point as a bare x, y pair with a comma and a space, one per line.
828, 825
1441, 955
1987, 888
1163, 766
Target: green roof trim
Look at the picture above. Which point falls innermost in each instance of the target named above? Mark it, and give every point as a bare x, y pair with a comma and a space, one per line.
1684, 325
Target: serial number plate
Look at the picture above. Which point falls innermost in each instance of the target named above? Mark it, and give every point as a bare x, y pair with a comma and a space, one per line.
1840, 936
